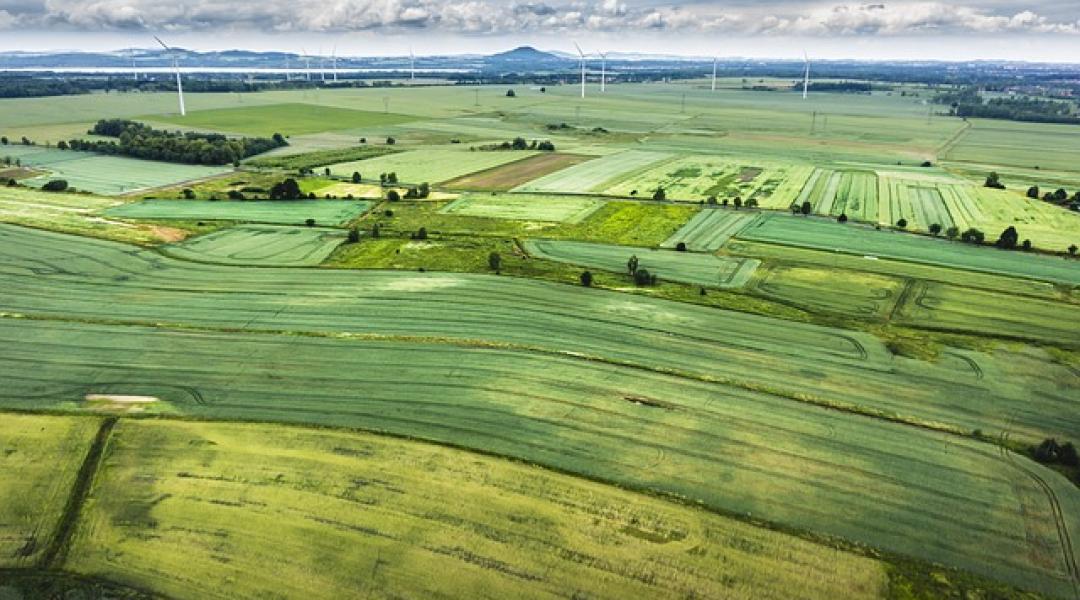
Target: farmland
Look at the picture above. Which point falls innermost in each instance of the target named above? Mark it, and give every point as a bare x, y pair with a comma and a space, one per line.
108, 175
290, 212
218, 398
697, 269
260, 245
522, 207
584, 536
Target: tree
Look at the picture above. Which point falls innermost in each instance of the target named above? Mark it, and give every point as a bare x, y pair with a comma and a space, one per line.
659, 194
586, 279
993, 180
424, 191
393, 196
421, 234
390, 141
680, 247
711, 201
632, 264
391, 177
642, 277
935, 228
309, 222
806, 208
1072, 250
1060, 195
752, 203
4, 140
546, 146
279, 139
842, 218
356, 177
510, 94
61, 145
519, 143
794, 208
55, 185
494, 261
952, 232
973, 236
235, 195
737, 202
326, 171
188, 194
286, 190
1026, 245
1008, 239
1033, 192
375, 230
354, 236
902, 223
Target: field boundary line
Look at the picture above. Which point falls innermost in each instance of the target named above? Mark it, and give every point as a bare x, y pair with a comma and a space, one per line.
944, 149
56, 551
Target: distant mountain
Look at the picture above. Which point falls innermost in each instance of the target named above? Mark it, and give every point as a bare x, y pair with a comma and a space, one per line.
524, 58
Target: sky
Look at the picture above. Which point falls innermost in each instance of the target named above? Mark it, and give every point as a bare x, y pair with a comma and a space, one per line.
1038, 30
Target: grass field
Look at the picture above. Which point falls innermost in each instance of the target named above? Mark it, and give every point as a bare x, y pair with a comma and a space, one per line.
709, 230
699, 177
286, 119
39, 459
108, 175
284, 212
76, 213
832, 291
595, 174
525, 207
684, 267
261, 245
511, 175
826, 235
732, 449
166, 514
431, 165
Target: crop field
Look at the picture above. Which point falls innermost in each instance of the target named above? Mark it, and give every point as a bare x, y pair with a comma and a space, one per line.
699, 177
286, 119
729, 448
988, 143
829, 365
709, 230
261, 245
431, 165
512, 531
831, 192
525, 207
75, 213
107, 175
684, 267
282, 212
511, 175
39, 458
595, 174
848, 238
869, 295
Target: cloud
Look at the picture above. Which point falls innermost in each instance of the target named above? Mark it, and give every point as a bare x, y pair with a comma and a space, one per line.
480, 17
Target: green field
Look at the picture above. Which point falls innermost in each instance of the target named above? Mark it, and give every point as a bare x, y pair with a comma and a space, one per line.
522, 207
709, 230
431, 165
260, 245
107, 175
684, 267
283, 212
39, 460
832, 291
854, 239
286, 119
594, 174
166, 514
699, 177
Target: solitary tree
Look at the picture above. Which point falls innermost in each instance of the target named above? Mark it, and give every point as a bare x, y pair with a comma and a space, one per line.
393, 196
309, 222
375, 230
1033, 192
354, 236
1026, 245
752, 203
737, 202
632, 264
643, 277
1008, 238
510, 94
586, 279
326, 171
680, 247
390, 141
711, 201
659, 194
993, 180
935, 228
55, 185
356, 177
1072, 250
806, 208
494, 261
842, 218
421, 234
902, 223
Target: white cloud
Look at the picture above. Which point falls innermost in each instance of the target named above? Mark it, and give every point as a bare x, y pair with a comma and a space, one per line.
527, 16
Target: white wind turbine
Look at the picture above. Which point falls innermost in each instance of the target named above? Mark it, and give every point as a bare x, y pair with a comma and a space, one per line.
176, 68
333, 58
307, 64
603, 71
806, 76
714, 61
582, 55
412, 65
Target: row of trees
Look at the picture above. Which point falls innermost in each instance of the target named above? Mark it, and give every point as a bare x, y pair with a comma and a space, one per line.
968, 102
519, 143
1058, 196
142, 141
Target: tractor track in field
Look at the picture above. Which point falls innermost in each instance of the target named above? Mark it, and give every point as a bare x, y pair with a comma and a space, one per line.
54, 554
1064, 539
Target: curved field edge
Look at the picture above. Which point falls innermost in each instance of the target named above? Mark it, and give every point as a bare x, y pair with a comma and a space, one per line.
883, 484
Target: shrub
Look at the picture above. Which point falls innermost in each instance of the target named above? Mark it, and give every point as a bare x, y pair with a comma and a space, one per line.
680, 247
902, 223
393, 196
309, 222
842, 218
586, 279
354, 236
55, 185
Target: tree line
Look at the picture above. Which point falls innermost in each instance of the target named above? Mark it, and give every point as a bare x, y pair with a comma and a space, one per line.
968, 102
142, 141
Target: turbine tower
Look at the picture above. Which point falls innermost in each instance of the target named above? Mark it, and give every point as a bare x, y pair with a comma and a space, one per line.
307, 64
714, 61
333, 59
603, 71
176, 68
806, 76
412, 65
582, 55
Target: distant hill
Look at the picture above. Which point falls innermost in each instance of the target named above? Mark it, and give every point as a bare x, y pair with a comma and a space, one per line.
525, 57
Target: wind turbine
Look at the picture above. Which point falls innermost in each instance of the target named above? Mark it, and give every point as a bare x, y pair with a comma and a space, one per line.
133, 68
714, 61
582, 55
412, 65
176, 68
333, 58
322, 65
806, 76
307, 65
603, 71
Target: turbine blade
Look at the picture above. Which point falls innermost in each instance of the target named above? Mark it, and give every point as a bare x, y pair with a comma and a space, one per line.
579, 50
162, 43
